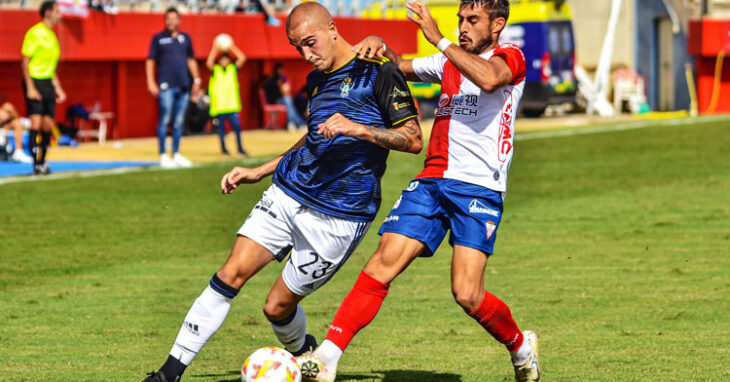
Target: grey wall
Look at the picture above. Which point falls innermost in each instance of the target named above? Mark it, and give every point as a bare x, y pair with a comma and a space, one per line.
645, 52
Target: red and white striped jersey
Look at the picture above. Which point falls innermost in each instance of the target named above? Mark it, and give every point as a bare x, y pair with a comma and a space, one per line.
473, 134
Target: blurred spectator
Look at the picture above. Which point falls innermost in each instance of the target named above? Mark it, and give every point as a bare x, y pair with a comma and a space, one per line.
198, 113
278, 90
301, 102
41, 86
225, 97
10, 120
171, 54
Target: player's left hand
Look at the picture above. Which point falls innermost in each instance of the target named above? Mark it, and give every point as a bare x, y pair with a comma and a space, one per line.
60, 95
338, 124
238, 175
422, 17
195, 89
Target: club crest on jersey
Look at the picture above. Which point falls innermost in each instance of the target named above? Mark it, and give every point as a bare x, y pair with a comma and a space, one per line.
345, 87
491, 227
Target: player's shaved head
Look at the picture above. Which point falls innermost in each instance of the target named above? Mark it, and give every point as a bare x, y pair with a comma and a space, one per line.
312, 13
311, 30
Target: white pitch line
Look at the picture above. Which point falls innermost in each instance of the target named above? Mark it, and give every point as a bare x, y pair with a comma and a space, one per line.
619, 127
519, 137
75, 174
95, 173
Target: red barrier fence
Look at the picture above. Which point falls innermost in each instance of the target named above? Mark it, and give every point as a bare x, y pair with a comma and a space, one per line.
707, 38
102, 58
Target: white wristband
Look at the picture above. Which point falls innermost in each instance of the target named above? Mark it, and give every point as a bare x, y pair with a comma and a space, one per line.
443, 44
385, 47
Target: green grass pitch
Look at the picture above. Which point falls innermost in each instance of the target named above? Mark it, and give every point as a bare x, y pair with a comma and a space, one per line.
613, 247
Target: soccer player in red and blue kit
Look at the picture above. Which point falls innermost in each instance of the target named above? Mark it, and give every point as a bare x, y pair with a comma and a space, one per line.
325, 191
461, 188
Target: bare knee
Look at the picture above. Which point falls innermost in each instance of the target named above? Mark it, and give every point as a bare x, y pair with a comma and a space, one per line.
469, 298
277, 309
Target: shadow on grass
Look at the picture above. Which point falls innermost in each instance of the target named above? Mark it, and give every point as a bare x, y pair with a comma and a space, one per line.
400, 376
383, 376
230, 373
418, 376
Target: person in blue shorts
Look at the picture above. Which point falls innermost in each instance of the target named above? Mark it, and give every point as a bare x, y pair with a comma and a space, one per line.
461, 187
325, 192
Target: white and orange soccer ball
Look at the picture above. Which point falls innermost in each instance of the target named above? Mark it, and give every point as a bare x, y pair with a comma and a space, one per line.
223, 42
271, 364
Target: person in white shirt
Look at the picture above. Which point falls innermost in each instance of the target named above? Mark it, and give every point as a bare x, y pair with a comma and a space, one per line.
461, 187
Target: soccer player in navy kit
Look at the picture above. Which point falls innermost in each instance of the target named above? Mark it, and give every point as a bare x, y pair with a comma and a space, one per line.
326, 188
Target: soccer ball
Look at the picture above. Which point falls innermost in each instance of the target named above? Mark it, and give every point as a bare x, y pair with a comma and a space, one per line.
223, 41
271, 364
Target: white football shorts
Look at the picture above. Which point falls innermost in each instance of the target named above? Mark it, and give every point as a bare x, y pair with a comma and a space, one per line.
319, 243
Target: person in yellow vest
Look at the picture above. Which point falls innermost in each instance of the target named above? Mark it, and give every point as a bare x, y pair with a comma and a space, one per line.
41, 86
223, 89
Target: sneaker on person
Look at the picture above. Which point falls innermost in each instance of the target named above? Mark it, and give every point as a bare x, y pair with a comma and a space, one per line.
158, 377
181, 161
167, 162
530, 370
45, 169
313, 369
22, 157
310, 345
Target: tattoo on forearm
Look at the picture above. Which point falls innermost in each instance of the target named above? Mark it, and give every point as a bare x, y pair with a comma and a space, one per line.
402, 138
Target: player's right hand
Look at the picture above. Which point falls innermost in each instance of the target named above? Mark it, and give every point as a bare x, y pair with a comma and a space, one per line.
153, 89
238, 175
372, 46
33, 93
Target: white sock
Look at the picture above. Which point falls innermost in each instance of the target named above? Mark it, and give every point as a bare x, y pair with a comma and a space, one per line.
329, 353
204, 318
291, 333
520, 356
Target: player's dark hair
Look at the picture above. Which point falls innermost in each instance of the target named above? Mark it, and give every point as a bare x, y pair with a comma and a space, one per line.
495, 8
46, 6
172, 10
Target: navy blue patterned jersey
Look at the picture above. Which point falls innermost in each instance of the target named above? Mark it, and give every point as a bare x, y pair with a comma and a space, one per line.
341, 176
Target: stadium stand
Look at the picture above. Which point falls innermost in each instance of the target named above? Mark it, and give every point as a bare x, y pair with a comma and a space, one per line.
336, 7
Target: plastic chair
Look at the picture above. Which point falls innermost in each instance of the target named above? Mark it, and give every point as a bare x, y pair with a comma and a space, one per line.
274, 115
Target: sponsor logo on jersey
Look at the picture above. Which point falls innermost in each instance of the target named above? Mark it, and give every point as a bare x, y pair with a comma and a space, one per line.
345, 87
504, 145
491, 227
412, 186
444, 100
477, 207
398, 93
459, 104
393, 218
402, 105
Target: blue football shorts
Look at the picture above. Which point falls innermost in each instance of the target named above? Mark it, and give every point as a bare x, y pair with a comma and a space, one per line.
428, 208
